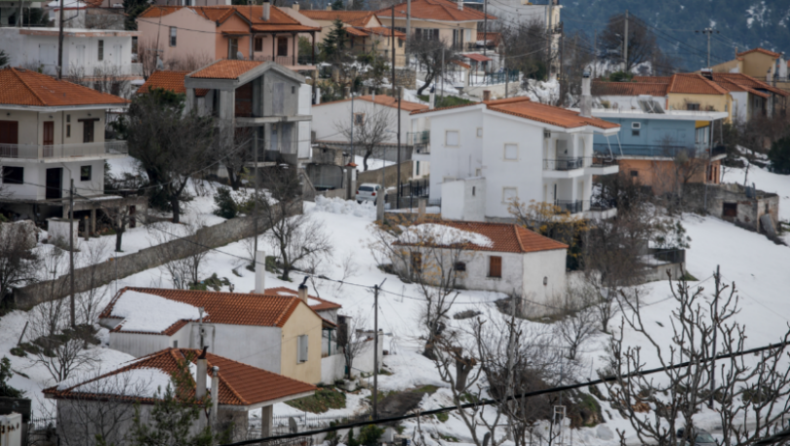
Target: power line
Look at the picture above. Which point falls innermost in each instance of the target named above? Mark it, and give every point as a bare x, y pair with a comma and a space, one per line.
490, 402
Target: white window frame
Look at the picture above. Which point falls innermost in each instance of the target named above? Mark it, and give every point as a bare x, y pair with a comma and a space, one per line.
458, 138
504, 154
302, 348
505, 194
636, 125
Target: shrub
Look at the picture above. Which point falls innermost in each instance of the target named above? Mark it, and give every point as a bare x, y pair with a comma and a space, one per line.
226, 205
780, 156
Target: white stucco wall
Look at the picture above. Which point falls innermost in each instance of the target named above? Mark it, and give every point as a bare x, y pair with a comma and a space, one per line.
304, 127
333, 368
138, 344
455, 162
740, 105
252, 345
329, 115
464, 199
35, 177
537, 265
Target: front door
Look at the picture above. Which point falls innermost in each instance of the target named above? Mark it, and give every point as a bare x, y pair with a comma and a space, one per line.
87, 131
54, 183
282, 46
49, 137
9, 138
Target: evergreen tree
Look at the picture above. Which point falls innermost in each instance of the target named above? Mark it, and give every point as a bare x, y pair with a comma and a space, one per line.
334, 48
5, 374
337, 5
780, 156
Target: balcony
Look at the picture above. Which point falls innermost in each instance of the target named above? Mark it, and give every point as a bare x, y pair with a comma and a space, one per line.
601, 165
106, 149
563, 168
569, 206
657, 151
421, 142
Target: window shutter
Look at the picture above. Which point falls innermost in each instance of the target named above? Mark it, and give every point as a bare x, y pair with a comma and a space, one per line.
495, 266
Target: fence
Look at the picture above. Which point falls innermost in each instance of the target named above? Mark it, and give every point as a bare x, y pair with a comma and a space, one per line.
494, 78
119, 267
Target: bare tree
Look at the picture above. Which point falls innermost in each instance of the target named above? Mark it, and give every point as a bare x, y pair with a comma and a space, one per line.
108, 79
579, 321
188, 251
90, 303
526, 47
368, 130
19, 262
119, 216
434, 57
642, 43
234, 150
742, 393
351, 338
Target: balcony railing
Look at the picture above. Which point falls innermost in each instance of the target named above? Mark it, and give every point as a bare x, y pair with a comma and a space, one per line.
41, 151
287, 61
563, 164
569, 206
601, 161
421, 142
653, 151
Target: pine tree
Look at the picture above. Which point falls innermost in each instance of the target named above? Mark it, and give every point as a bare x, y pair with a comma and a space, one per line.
333, 48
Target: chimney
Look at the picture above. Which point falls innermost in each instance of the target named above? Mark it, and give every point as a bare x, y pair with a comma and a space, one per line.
303, 293
260, 272
266, 10
200, 379
486, 95
460, 5
431, 100
295, 6
214, 395
586, 103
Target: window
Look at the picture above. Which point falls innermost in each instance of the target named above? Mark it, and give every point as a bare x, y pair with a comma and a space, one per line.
634, 173
634, 132
293, 89
301, 354
692, 106
13, 175
459, 266
474, 190
636, 125
480, 132
85, 173
451, 138
495, 266
509, 194
359, 119
511, 152
175, 343
68, 118
68, 131
400, 43
173, 31
101, 50
416, 262
258, 44
233, 48
417, 168
729, 210
87, 130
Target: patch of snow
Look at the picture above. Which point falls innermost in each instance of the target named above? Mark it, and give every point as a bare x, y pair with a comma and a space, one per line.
756, 13
373, 163
151, 314
442, 235
143, 382
335, 205
312, 302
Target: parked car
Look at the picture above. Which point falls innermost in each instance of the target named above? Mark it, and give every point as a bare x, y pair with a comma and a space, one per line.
370, 192
701, 437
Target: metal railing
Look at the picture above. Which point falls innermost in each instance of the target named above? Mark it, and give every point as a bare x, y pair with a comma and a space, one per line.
41, 151
601, 161
287, 61
38, 424
652, 151
569, 206
494, 78
563, 164
421, 141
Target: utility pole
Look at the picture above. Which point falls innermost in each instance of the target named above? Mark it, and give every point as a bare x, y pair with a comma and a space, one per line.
485, 30
443, 72
376, 351
353, 155
715, 329
255, 266
595, 52
60, 41
72, 314
707, 31
397, 192
408, 30
625, 44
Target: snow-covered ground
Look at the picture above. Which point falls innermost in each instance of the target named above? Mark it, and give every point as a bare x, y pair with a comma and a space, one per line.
758, 266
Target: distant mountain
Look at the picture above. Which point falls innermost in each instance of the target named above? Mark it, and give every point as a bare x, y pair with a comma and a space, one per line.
743, 24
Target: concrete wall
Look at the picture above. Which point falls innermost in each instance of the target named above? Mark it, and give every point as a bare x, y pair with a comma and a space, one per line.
390, 174
333, 368
540, 266
464, 199
138, 344
330, 118
35, 177
195, 36
120, 267
302, 321
261, 346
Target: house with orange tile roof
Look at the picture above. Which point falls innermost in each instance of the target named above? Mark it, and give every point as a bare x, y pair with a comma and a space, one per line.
90, 56
501, 257
759, 63
486, 156
106, 403
332, 121
438, 19
208, 33
52, 132
750, 97
255, 97
272, 331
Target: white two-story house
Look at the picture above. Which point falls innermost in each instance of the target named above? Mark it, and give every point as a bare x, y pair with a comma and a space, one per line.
52, 132
99, 58
487, 155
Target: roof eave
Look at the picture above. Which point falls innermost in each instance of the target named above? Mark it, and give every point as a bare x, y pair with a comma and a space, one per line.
55, 108
268, 402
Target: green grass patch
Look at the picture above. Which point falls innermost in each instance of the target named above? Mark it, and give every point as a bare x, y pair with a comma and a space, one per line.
429, 389
446, 101
449, 438
385, 372
688, 277
323, 400
443, 417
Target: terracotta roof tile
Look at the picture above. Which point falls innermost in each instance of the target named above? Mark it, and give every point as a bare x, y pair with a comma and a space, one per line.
385, 100
524, 108
169, 80
382, 31
693, 83
226, 69
353, 18
356, 32
760, 50
222, 308
505, 237
745, 82
239, 384
430, 110
652, 79
322, 305
495, 38
459, 63
628, 89
24, 87
442, 10
253, 14
476, 57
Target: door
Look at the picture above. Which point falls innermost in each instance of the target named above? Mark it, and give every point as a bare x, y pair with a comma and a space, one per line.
286, 139
117, 51
54, 183
282, 46
9, 138
87, 131
49, 138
